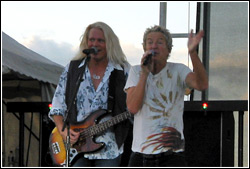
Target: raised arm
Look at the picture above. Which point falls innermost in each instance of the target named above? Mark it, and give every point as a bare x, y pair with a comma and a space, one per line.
197, 79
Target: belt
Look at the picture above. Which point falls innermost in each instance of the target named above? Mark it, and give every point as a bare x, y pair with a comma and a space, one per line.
154, 156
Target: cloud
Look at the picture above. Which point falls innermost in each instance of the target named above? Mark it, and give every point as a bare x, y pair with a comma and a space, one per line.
228, 76
60, 53
180, 55
132, 53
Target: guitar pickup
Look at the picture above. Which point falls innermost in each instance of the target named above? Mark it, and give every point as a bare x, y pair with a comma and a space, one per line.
55, 148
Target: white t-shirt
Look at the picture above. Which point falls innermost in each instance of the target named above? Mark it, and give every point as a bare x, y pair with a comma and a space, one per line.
162, 110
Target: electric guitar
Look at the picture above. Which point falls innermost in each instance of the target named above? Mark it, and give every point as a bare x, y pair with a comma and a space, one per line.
85, 144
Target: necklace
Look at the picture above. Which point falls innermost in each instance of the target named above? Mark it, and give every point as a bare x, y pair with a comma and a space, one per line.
96, 77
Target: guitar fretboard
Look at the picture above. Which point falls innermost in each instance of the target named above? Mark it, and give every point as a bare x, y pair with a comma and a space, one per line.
109, 123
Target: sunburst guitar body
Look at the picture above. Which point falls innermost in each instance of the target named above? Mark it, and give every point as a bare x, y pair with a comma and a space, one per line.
88, 130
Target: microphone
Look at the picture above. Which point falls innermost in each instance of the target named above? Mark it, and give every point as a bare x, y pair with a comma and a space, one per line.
91, 50
148, 58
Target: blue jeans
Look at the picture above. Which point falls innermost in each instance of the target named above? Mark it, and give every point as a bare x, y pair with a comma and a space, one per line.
171, 160
85, 162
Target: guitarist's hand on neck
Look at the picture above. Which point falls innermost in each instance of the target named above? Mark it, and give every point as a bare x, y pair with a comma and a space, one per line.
59, 124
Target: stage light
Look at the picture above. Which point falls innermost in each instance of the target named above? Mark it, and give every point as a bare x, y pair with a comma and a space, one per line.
204, 106
50, 106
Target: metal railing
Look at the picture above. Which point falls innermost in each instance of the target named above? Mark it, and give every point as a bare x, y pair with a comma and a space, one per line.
224, 106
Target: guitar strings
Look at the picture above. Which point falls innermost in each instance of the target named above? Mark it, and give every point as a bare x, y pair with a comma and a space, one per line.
89, 132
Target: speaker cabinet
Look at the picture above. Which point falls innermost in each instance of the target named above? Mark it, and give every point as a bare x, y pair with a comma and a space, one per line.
209, 138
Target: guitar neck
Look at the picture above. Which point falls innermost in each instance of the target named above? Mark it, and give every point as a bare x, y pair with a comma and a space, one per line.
109, 123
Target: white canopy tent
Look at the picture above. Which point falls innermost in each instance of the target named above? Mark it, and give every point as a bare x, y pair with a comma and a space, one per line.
20, 63
26, 77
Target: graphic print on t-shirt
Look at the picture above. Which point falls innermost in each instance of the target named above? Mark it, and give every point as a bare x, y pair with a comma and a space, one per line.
161, 105
170, 138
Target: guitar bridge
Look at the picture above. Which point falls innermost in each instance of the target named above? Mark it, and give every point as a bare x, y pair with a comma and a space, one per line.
55, 148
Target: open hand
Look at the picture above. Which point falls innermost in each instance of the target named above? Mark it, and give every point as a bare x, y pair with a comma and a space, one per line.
194, 40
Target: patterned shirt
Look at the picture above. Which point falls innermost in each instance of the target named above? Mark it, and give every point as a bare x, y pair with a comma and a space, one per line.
95, 100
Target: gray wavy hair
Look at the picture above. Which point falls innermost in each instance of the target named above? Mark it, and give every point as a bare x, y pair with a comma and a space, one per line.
164, 31
115, 53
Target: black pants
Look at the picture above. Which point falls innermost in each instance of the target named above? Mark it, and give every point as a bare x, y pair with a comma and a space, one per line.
84, 162
170, 160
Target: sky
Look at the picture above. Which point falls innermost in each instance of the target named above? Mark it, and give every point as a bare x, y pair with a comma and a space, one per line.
53, 29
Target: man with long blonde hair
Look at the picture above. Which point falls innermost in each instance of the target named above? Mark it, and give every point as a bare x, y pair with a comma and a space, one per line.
104, 73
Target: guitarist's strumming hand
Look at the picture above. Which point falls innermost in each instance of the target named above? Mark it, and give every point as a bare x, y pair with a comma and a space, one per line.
73, 135
59, 124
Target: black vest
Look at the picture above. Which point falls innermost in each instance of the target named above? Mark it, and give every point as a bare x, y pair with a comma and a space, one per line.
116, 98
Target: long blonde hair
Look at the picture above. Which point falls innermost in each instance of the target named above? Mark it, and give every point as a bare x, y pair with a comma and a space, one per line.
114, 50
